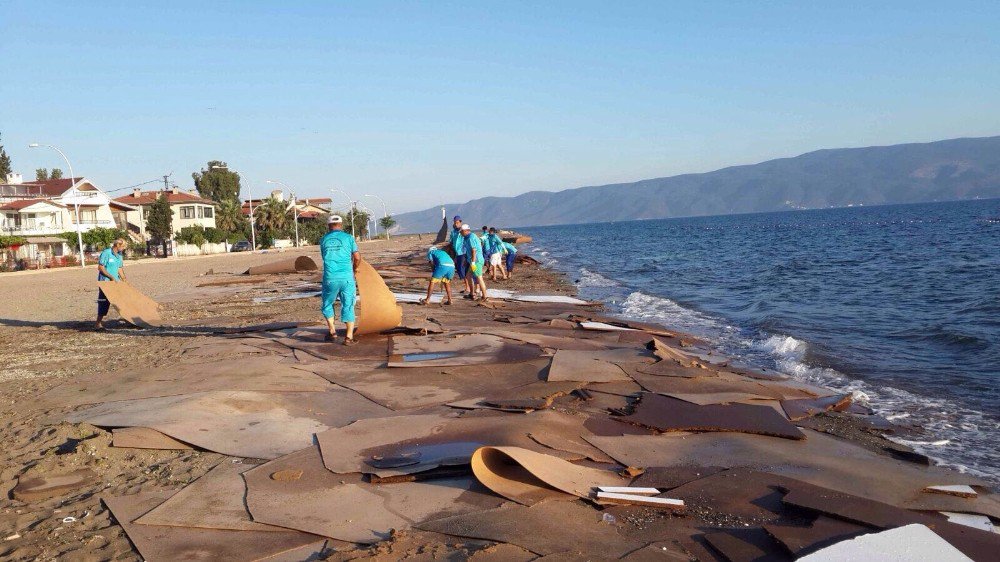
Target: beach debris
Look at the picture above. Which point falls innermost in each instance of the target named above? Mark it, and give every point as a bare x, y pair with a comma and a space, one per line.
34, 487
377, 308
664, 413
145, 438
960, 490
822, 532
634, 490
980, 522
251, 424
601, 326
915, 542
745, 544
157, 542
640, 499
591, 366
544, 528
70, 519
447, 350
529, 477
803, 408
666, 478
298, 264
133, 306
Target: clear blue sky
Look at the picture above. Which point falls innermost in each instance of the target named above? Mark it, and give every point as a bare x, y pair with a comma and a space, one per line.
430, 102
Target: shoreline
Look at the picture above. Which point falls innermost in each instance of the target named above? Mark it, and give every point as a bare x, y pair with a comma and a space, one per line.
46, 352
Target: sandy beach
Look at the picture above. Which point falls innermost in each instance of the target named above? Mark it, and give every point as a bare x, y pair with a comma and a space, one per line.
574, 389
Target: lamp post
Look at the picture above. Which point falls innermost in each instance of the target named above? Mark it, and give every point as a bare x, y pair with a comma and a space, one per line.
371, 218
76, 200
385, 213
253, 229
353, 206
295, 208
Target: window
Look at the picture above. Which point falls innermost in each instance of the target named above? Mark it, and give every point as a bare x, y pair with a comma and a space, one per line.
209, 212
201, 212
187, 212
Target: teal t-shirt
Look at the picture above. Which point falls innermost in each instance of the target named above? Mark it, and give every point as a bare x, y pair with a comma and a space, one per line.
473, 242
337, 247
496, 244
440, 257
111, 262
511, 249
458, 241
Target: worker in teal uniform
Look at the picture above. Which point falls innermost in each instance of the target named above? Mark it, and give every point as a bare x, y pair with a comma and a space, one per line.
340, 264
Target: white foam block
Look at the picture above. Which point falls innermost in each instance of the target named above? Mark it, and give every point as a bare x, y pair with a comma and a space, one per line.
633, 499
954, 490
628, 490
980, 522
601, 326
911, 543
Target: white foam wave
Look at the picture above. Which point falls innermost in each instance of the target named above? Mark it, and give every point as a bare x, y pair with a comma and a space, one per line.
641, 306
593, 279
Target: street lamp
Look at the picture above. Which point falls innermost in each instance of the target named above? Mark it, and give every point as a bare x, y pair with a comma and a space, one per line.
295, 207
371, 218
76, 200
385, 213
353, 206
253, 229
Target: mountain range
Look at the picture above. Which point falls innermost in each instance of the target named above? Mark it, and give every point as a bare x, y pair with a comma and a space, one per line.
965, 168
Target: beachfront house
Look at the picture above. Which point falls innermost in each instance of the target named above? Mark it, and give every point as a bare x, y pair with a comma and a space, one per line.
187, 208
40, 211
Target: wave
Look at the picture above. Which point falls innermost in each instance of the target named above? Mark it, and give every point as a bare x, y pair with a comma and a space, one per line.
591, 279
956, 436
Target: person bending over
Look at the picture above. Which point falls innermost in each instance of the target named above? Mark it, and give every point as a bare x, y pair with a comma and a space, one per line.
495, 252
110, 267
340, 264
443, 270
511, 254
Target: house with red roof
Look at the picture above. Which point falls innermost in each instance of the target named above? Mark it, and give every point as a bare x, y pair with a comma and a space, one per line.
187, 207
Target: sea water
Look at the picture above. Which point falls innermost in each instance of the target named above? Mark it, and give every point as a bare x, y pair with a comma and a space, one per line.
900, 304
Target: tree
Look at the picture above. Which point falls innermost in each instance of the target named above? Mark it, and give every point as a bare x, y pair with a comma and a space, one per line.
5, 168
271, 219
359, 220
55, 174
311, 231
387, 222
41, 174
217, 183
101, 238
159, 220
229, 216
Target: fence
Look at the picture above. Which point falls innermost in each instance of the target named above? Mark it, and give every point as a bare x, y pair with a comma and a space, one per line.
204, 249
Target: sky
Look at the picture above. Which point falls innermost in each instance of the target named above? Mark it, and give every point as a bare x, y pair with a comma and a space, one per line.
424, 103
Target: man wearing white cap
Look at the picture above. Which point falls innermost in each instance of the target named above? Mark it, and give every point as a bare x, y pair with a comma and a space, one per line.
340, 263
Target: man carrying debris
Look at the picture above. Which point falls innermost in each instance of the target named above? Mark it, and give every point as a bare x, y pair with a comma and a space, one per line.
494, 253
110, 267
474, 254
340, 264
443, 270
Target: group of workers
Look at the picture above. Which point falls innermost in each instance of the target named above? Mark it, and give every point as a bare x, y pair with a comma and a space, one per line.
468, 258
472, 257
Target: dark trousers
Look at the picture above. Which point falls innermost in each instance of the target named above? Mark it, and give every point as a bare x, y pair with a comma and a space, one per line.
103, 304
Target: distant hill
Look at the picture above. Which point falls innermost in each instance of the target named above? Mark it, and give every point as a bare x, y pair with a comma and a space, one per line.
905, 173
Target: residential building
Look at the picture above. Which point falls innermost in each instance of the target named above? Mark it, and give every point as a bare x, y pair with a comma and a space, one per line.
187, 208
41, 210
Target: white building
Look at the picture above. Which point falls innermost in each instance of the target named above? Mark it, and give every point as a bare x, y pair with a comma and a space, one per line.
187, 207
41, 210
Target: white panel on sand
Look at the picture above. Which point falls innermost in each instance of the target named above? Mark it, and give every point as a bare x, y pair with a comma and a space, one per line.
911, 543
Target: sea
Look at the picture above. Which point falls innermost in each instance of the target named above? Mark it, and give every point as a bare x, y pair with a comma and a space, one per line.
898, 304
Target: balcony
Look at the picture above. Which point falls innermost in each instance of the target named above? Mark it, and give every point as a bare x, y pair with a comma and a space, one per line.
30, 228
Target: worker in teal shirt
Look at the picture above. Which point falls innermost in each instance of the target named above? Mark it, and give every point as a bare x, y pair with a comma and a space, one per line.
110, 267
458, 247
442, 271
511, 254
474, 253
340, 263
493, 247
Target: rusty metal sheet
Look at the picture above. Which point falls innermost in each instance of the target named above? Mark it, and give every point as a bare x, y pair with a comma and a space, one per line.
214, 501
529, 477
345, 507
591, 366
376, 308
155, 542
289, 265
445, 351
743, 545
670, 414
242, 424
804, 408
822, 532
145, 438
133, 306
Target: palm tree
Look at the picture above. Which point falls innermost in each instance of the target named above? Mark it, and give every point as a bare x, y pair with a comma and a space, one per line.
229, 216
271, 215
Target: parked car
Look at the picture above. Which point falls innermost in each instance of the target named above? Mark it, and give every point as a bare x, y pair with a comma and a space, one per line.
240, 246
